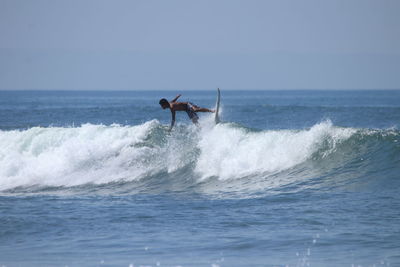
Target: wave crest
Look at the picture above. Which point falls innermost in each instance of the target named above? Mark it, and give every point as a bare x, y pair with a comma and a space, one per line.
235, 152
99, 154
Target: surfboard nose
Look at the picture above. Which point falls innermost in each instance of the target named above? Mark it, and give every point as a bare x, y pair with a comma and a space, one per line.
217, 119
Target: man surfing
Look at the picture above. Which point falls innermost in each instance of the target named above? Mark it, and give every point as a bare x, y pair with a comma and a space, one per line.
189, 107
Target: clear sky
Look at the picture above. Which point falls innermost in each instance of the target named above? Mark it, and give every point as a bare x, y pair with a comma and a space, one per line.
248, 44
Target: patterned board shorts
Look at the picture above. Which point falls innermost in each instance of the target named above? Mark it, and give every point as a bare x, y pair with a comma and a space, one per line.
191, 113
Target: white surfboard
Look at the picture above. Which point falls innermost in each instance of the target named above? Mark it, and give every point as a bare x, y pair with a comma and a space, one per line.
217, 120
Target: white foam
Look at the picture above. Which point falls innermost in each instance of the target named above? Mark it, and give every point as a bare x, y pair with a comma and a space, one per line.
229, 153
59, 156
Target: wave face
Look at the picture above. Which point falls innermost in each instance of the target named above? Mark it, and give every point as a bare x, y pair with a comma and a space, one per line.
226, 157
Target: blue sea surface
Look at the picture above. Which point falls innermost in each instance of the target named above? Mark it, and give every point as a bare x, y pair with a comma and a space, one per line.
289, 178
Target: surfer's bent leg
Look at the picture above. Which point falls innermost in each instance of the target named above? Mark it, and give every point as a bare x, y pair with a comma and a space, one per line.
193, 116
204, 110
192, 113
199, 109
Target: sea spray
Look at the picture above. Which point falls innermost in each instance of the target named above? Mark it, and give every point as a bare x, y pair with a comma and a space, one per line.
59, 156
228, 152
99, 154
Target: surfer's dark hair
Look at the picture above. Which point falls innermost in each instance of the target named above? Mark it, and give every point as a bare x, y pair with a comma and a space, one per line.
163, 102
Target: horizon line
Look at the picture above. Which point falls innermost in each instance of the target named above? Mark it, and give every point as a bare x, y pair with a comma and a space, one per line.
208, 89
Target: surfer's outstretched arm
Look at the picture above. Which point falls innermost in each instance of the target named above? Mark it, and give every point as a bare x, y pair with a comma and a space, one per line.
172, 119
176, 98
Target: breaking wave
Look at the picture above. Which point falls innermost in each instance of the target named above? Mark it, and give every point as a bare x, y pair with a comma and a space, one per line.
226, 157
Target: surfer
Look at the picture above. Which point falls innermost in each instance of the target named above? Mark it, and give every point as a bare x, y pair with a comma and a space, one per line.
189, 107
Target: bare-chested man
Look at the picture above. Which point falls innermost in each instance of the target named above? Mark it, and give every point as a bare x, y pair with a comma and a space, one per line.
190, 109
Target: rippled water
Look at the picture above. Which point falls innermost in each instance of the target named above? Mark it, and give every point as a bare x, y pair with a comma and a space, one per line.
292, 178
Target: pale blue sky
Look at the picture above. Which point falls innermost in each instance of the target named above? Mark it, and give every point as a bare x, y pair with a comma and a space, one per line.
120, 45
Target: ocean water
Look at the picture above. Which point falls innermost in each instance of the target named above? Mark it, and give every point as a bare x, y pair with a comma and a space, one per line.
289, 178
